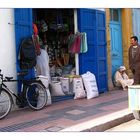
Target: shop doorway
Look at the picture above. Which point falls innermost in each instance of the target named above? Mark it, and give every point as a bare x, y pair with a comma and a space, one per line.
59, 25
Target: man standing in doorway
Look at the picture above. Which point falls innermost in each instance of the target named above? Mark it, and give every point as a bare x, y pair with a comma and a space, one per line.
134, 59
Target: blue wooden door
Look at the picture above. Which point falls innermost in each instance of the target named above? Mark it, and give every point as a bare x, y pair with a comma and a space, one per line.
116, 39
87, 23
93, 23
23, 29
101, 51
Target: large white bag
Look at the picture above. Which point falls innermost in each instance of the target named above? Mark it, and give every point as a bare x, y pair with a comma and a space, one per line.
90, 85
65, 83
78, 88
42, 66
45, 82
56, 89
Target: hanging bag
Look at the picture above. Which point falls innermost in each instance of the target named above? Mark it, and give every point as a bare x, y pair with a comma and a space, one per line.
84, 47
27, 54
75, 47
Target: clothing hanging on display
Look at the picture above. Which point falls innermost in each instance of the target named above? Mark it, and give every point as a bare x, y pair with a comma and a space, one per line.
77, 43
84, 47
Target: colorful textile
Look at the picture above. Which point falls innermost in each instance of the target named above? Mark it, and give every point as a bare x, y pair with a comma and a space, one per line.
77, 43
84, 47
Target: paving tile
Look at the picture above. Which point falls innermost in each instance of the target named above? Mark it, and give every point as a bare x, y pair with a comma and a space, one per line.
75, 112
53, 129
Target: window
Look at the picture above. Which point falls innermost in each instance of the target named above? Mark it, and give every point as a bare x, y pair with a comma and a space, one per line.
114, 15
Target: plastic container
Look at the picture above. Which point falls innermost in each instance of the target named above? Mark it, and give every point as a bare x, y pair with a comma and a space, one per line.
134, 97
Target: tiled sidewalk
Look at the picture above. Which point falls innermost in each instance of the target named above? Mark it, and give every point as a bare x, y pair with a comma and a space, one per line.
62, 115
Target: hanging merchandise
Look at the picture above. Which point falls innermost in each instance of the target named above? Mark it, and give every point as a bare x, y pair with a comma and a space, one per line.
75, 47
77, 43
90, 85
84, 47
35, 38
27, 54
44, 26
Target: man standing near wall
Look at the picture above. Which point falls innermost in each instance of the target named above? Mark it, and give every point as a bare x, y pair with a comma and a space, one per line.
134, 59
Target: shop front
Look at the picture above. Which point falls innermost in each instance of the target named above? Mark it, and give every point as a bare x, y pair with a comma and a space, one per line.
61, 25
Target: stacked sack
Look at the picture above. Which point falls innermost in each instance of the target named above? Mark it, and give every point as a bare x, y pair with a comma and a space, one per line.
90, 84
78, 88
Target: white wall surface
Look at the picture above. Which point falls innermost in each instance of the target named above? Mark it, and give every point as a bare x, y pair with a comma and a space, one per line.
7, 44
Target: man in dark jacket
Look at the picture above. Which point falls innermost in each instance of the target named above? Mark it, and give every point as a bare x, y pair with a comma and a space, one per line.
134, 59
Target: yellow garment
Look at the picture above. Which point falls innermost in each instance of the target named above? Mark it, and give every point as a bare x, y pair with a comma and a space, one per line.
122, 80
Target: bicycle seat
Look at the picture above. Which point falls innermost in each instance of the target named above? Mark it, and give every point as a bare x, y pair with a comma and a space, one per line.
9, 78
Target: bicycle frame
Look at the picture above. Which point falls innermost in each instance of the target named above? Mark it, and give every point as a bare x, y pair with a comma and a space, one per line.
25, 84
10, 79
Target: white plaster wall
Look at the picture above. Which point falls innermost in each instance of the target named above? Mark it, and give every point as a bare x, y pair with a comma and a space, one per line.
7, 45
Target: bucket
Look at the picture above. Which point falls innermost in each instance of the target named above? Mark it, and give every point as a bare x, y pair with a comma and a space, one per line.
134, 97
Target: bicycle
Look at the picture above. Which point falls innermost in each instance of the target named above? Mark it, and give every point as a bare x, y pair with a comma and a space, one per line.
33, 93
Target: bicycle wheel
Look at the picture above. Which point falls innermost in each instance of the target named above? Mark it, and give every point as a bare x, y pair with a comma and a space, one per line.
36, 96
5, 103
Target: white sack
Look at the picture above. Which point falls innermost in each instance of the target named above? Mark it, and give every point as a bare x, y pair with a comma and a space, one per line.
56, 89
78, 88
42, 66
45, 82
65, 83
90, 85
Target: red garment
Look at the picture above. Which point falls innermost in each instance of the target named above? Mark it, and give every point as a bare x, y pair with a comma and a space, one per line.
35, 29
36, 43
75, 47
36, 39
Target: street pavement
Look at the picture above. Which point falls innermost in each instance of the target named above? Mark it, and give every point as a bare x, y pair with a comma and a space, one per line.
94, 115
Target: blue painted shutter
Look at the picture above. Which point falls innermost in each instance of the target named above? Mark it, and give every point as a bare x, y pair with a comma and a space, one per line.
93, 23
23, 28
101, 51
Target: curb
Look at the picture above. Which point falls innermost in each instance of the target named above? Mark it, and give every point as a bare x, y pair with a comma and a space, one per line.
110, 124
101, 124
